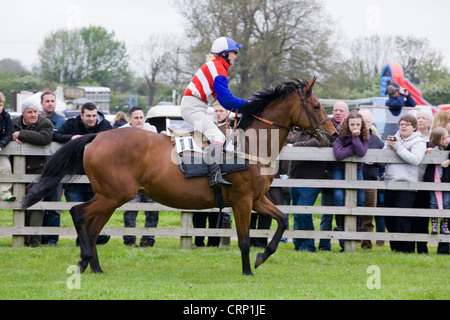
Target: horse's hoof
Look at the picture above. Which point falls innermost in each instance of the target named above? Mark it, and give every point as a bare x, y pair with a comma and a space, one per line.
259, 260
97, 270
82, 266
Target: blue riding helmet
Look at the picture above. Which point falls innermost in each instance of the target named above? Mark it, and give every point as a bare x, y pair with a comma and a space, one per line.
224, 45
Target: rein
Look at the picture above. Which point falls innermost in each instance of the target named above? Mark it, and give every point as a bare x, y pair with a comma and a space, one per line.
273, 123
313, 133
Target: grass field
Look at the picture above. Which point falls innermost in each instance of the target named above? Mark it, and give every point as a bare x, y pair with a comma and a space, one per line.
164, 272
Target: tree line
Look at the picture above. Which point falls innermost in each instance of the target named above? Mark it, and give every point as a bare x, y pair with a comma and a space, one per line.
281, 39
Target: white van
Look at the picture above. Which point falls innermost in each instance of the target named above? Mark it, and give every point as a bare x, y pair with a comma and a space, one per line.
165, 116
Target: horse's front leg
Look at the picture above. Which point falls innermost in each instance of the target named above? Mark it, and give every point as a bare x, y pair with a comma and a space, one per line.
264, 206
242, 214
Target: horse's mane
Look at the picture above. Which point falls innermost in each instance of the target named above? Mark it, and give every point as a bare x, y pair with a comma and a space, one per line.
261, 99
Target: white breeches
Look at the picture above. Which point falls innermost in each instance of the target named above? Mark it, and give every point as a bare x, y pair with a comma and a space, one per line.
193, 111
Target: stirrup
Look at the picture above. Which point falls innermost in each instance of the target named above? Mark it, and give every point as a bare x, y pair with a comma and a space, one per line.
218, 180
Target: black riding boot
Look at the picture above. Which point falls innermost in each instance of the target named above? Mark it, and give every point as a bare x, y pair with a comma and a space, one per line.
215, 176
215, 156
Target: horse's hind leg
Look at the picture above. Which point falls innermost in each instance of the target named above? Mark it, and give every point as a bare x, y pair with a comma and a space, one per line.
94, 227
79, 220
89, 219
264, 206
99, 211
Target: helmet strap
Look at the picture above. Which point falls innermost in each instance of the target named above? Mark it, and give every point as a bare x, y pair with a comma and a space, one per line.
224, 56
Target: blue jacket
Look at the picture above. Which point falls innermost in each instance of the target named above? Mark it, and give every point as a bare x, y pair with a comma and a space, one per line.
57, 121
396, 104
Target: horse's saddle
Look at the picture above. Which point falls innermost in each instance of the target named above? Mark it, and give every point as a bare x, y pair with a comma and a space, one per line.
191, 149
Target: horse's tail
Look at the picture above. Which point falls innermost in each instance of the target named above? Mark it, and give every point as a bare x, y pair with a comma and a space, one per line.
68, 160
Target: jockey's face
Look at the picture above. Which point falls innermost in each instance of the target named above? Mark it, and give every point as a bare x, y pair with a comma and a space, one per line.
232, 57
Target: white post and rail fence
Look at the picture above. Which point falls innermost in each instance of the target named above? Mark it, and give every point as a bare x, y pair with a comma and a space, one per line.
186, 231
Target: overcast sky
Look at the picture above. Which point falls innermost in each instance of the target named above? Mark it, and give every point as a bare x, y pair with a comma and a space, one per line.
25, 23
429, 19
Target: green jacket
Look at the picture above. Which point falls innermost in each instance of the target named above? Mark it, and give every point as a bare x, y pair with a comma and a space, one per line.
39, 134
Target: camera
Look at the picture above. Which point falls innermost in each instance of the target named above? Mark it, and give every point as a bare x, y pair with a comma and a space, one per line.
392, 138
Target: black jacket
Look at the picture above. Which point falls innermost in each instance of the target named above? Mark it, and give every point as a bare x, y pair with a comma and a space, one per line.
75, 126
5, 128
429, 171
372, 172
299, 169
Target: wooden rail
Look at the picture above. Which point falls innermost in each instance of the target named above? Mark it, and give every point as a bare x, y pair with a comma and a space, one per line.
186, 230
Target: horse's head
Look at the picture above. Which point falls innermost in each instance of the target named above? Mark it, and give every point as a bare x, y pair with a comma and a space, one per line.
311, 116
301, 110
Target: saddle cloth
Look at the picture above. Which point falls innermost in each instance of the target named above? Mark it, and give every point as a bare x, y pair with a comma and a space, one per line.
190, 148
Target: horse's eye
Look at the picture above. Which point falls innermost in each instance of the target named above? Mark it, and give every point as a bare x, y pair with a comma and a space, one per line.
317, 107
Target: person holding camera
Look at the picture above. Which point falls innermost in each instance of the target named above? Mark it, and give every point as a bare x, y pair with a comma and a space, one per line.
398, 98
409, 146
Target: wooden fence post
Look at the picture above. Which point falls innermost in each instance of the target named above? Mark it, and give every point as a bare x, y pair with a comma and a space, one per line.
19, 192
351, 197
186, 224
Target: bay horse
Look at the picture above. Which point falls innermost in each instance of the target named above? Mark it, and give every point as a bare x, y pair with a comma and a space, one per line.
120, 162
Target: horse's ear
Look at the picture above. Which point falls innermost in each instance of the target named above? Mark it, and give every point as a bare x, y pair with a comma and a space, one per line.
310, 84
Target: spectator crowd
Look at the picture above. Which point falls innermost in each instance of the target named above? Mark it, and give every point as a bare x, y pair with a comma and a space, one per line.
413, 138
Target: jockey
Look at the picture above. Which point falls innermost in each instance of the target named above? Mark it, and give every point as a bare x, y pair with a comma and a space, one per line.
211, 83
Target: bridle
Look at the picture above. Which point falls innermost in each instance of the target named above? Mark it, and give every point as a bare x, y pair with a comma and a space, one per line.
315, 132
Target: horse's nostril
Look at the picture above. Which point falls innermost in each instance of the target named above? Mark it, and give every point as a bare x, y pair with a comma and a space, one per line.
335, 136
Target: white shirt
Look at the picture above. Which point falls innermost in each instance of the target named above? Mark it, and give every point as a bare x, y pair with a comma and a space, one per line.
147, 126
